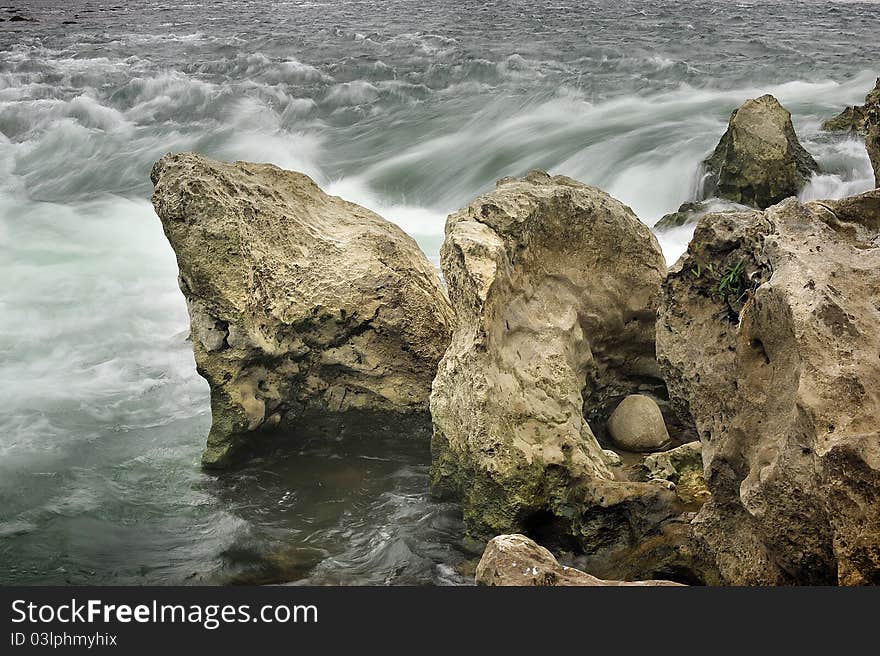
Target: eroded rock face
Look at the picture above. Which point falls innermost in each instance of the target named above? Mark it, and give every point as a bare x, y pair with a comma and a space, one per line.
553, 285
759, 160
769, 337
305, 309
515, 560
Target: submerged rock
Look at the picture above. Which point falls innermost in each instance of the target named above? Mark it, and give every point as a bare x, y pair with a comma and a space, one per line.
515, 560
690, 213
554, 286
637, 425
305, 310
759, 160
853, 118
782, 387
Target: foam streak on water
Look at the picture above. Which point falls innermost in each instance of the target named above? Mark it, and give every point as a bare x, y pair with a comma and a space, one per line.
409, 108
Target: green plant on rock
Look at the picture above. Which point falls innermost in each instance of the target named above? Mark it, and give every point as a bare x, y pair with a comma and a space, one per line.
729, 285
732, 282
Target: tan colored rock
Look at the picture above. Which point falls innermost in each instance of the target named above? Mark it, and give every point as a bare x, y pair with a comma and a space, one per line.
515, 560
637, 425
759, 160
306, 310
774, 353
554, 287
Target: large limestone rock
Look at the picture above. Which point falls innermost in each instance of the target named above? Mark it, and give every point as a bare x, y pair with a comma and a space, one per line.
854, 118
637, 425
553, 285
759, 160
306, 310
769, 337
515, 560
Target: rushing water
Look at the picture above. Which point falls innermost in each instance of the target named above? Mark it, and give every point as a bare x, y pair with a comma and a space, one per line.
408, 107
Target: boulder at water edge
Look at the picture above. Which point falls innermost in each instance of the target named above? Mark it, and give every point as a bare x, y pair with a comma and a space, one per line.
759, 160
515, 560
305, 310
769, 337
554, 287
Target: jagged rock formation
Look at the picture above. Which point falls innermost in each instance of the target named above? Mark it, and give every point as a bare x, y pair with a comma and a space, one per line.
853, 118
515, 560
769, 337
759, 160
306, 310
554, 288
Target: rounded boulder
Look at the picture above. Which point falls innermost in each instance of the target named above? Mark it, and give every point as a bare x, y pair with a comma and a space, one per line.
637, 425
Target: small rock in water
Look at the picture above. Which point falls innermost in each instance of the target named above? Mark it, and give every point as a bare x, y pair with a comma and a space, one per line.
669, 464
637, 424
